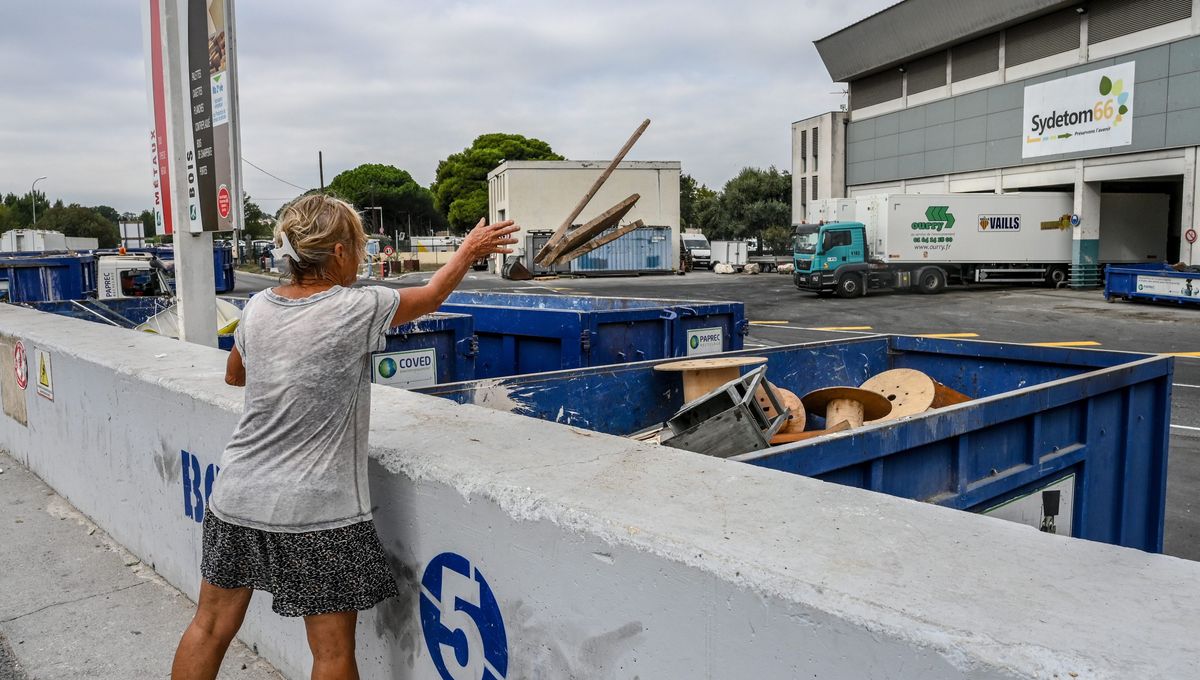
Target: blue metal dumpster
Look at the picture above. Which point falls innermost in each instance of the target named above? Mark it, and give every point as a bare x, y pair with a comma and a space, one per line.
1151, 281
25, 278
434, 349
223, 269
524, 333
1091, 425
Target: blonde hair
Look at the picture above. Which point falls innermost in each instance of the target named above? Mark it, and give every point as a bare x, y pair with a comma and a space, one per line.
314, 224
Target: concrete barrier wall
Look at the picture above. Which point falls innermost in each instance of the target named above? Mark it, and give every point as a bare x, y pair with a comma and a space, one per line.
526, 549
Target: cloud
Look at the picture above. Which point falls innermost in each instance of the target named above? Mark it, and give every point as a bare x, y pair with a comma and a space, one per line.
409, 83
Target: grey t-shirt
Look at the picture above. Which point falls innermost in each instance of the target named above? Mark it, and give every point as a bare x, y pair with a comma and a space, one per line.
298, 458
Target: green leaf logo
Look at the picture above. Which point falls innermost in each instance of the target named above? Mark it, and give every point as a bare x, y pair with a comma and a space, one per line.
940, 213
1124, 109
1105, 86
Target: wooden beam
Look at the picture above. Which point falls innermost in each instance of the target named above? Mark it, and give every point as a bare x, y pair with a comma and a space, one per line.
602, 222
596, 243
566, 224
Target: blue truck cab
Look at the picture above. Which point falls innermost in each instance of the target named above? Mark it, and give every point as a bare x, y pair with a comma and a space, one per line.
824, 255
834, 258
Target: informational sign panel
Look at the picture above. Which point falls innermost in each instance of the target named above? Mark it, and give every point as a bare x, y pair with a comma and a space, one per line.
705, 341
1049, 509
1186, 288
407, 370
204, 64
1092, 110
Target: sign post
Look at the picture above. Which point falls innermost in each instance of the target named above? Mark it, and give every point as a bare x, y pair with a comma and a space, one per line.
196, 148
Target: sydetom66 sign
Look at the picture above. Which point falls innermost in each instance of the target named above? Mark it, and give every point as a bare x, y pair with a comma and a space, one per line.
1092, 110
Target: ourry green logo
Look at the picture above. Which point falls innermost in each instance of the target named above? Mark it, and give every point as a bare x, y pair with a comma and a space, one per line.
938, 218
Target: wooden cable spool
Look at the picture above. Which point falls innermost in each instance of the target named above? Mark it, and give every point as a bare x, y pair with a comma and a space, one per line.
851, 404
911, 392
701, 376
797, 418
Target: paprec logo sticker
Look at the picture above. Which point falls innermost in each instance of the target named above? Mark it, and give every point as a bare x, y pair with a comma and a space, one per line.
461, 621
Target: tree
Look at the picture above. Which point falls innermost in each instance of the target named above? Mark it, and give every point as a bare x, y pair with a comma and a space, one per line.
7, 219
20, 208
756, 200
257, 224
778, 239
689, 191
107, 212
403, 201
75, 220
149, 228
460, 187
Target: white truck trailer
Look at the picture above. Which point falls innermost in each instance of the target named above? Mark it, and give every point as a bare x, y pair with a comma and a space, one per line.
925, 240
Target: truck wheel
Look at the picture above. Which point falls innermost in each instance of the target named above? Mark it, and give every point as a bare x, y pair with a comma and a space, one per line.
1056, 276
931, 281
850, 286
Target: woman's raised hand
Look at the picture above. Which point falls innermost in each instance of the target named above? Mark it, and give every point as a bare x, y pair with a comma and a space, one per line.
487, 239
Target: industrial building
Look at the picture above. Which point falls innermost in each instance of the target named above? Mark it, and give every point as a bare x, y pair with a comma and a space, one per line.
540, 194
1098, 98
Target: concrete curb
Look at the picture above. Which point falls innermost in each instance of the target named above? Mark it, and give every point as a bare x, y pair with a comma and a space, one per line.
74, 603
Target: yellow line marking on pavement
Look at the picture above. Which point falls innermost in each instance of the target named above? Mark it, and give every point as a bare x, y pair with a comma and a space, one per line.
949, 335
1072, 343
842, 328
1183, 354
767, 323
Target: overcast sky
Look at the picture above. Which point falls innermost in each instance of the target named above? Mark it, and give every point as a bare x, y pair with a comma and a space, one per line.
403, 83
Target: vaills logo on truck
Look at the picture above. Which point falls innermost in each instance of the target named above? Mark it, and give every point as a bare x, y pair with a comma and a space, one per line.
999, 223
938, 218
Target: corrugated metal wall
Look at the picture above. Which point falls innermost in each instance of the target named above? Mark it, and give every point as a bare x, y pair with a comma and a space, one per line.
975, 58
927, 73
643, 250
876, 89
1043, 37
1108, 19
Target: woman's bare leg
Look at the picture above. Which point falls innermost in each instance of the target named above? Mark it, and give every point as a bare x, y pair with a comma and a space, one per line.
218, 617
331, 639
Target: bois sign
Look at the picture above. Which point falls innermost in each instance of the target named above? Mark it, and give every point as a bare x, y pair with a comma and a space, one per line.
1092, 110
191, 71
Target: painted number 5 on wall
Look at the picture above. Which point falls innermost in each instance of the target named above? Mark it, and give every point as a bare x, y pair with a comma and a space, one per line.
461, 621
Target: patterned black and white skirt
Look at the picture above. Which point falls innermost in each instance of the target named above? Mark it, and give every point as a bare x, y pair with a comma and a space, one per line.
314, 572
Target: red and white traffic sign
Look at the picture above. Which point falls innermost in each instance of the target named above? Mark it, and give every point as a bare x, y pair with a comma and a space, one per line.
20, 365
223, 202
1190, 235
388, 250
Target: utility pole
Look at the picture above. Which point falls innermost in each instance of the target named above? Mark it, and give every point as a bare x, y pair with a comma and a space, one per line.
33, 196
321, 169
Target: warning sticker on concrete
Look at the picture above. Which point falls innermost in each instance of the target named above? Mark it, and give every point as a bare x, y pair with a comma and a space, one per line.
406, 370
705, 341
44, 374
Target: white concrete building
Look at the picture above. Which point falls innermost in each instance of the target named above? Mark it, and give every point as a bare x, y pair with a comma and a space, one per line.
540, 194
818, 161
1100, 98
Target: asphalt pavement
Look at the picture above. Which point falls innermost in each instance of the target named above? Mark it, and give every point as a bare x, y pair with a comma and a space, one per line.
75, 604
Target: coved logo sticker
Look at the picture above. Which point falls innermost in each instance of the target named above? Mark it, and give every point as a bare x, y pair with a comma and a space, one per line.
463, 628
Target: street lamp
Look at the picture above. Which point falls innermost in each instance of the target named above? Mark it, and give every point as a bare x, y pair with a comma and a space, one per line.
33, 196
